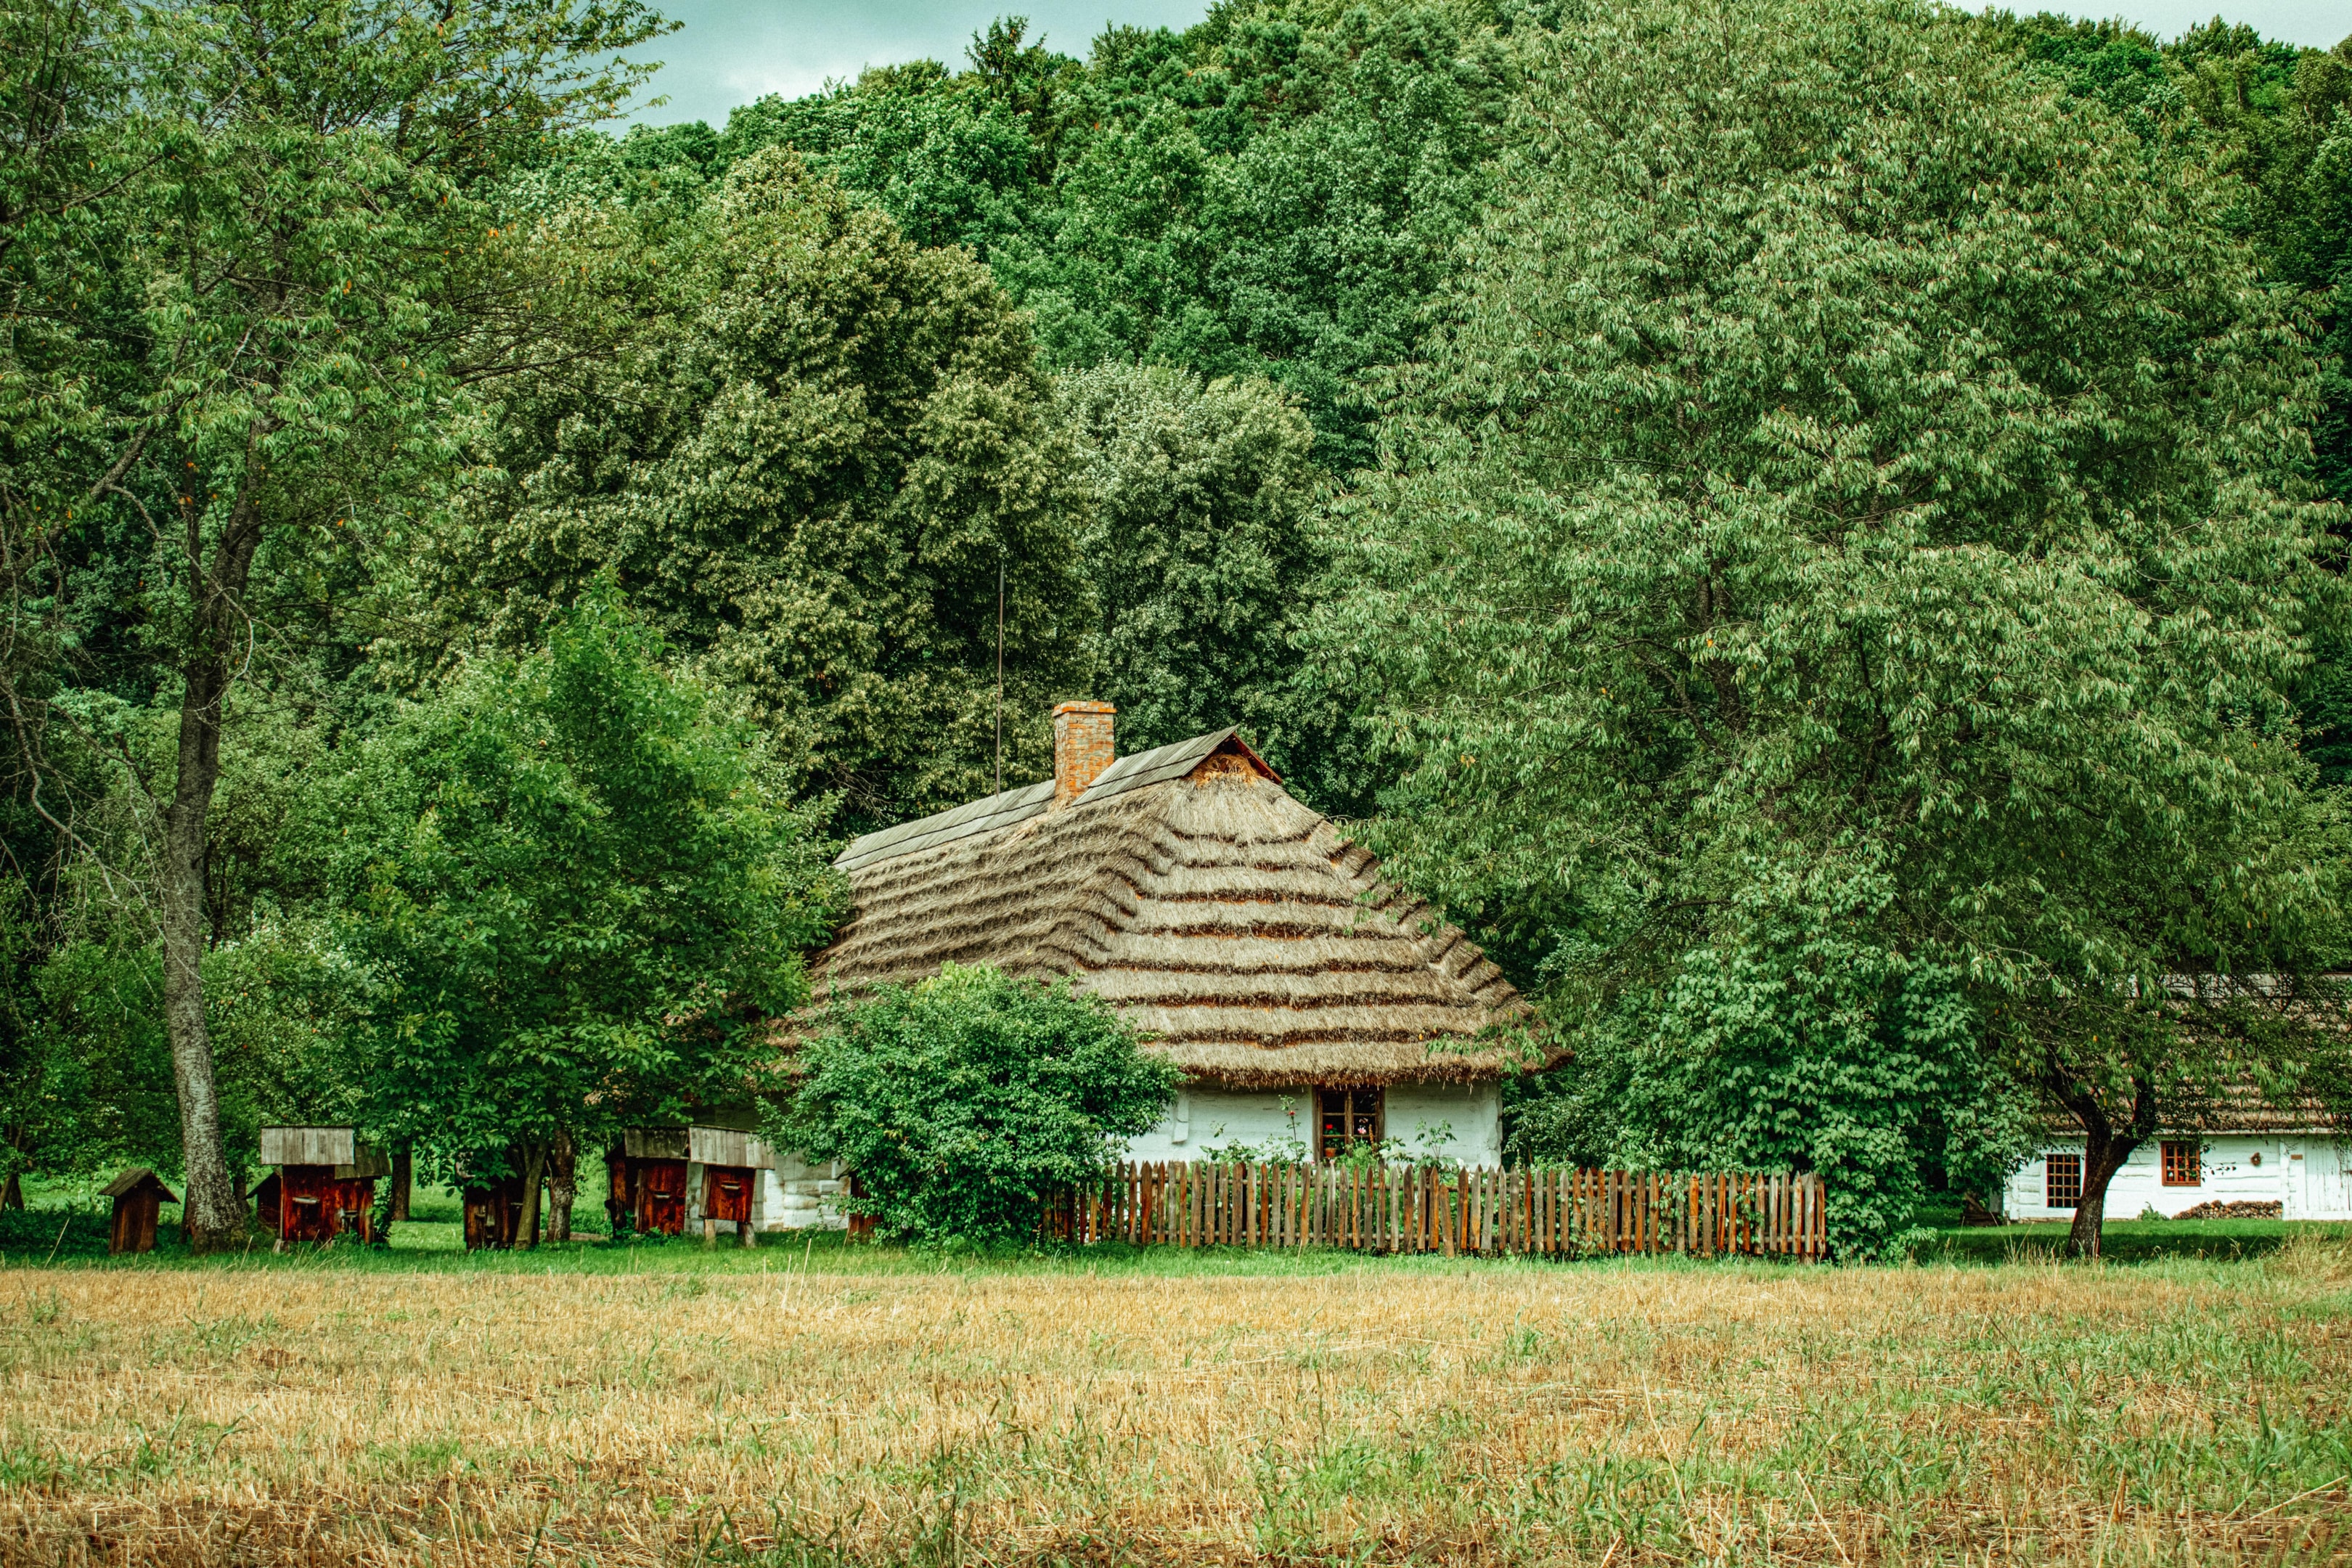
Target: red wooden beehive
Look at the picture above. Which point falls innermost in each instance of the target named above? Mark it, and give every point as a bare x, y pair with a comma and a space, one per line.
651, 1172
324, 1186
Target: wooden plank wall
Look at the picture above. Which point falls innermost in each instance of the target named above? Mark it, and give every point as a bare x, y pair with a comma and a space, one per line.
1407, 1209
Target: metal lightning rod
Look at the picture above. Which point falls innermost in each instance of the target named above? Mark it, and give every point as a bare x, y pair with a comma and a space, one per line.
999, 668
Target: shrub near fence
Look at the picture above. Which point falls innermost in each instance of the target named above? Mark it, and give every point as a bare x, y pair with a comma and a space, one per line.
1418, 1209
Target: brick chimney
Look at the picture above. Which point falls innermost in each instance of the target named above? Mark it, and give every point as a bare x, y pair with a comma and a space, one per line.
1082, 747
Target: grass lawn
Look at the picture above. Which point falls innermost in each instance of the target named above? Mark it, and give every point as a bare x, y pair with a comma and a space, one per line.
2129, 1241
814, 1403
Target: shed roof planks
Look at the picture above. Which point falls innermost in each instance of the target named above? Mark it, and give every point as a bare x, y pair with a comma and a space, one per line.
134, 1180
704, 1145
337, 1146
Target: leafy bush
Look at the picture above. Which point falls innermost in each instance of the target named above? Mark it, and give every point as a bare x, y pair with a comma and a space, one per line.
960, 1101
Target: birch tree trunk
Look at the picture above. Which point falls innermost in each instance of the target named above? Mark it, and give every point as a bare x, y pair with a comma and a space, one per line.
213, 1218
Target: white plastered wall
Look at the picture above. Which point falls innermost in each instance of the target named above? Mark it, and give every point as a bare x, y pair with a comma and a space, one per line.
798, 1196
1460, 1121
2309, 1176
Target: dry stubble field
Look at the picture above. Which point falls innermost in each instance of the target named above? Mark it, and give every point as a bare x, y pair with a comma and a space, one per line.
1354, 1412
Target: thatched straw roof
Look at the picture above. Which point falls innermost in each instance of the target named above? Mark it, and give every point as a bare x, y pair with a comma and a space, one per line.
1187, 888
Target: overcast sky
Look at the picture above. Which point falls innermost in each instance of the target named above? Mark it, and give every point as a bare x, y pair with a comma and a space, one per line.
732, 51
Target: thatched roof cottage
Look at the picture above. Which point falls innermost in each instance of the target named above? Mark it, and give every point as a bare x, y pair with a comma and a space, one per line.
1258, 949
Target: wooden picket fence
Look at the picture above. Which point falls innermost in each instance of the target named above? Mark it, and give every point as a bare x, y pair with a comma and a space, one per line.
1418, 1209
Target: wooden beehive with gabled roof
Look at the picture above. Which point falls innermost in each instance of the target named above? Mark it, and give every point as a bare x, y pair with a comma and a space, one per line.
139, 1194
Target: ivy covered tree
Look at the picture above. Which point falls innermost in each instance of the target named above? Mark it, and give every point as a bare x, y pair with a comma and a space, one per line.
1841, 578
581, 896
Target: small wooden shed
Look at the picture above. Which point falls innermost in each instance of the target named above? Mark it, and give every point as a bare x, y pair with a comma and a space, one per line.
652, 1175
324, 1185
138, 1195
493, 1214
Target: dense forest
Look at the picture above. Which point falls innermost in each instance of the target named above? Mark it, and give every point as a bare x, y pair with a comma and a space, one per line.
1813, 527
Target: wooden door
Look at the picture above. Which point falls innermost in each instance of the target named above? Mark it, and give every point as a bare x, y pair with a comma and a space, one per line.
661, 1195
134, 1221
727, 1193
493, 1215
307, 1199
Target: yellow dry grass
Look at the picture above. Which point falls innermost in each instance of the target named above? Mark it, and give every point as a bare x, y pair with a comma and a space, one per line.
1375, 1413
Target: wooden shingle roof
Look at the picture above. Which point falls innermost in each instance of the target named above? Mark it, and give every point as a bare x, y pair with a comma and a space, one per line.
1188, 888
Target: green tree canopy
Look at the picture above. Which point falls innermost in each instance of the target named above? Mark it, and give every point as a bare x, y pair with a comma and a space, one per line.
1196, 544
250, 287
2274, 123
1850, 525
1274, 191
807, 470
581, 897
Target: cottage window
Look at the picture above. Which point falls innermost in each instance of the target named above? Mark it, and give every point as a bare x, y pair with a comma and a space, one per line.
2062, 1181
1349, 1115
2184, 1165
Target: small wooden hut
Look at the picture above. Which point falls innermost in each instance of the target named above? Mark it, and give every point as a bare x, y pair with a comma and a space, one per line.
493, 1214
661, 1176
324, 1186
139, 1196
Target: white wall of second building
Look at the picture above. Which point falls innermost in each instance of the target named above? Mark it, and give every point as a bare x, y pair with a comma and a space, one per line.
1461, 1122
2309, 1177
2324, 1191
798, 1196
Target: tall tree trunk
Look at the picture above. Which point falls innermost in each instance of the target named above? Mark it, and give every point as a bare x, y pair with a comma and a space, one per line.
404, 1180
12, 1191
2103, 1155
2105, 1147
562, 1186
214, 1219
534, 1173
